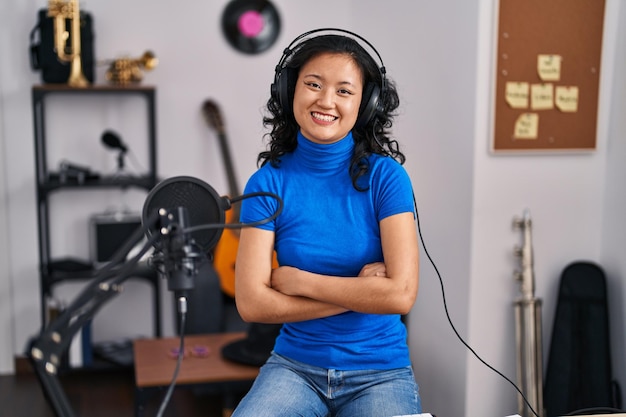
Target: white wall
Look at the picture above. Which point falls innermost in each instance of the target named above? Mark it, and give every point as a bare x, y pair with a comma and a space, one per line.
435, 69
6, 293
440, 54
613, 224
566, 196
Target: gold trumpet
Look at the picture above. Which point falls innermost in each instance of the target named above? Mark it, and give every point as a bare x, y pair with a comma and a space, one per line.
126, 71
61, 10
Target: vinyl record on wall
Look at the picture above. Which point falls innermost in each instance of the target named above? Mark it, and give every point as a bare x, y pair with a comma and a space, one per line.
250, 26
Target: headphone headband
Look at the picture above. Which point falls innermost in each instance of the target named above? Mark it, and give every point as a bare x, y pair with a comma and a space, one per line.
371, 102
289, 49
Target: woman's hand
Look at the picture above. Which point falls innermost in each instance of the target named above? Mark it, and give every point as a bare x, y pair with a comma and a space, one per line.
290, 281
285, 279
376, 269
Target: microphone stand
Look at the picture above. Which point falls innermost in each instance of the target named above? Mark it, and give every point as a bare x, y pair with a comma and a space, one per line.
47, 349
176, 257
120, 160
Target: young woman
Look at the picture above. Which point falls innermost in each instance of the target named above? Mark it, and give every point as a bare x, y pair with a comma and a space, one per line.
346, 239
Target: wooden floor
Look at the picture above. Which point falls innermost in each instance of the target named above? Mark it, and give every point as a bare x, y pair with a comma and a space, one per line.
100, 394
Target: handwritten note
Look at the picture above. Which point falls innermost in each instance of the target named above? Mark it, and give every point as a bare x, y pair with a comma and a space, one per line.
566, 99
517, 95
542, 96
526, 126
549, 67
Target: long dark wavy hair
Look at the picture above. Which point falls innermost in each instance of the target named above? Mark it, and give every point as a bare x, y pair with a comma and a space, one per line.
372, 137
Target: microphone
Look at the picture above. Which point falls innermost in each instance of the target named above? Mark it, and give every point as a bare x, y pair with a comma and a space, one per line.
113, 141
181, 256
178, 203
203, 204
184, 218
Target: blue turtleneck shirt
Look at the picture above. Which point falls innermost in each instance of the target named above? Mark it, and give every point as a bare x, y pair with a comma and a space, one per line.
328, 227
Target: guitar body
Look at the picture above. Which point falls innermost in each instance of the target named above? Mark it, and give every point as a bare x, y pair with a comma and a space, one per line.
225, 255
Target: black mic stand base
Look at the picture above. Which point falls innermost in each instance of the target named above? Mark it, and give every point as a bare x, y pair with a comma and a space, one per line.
47, 349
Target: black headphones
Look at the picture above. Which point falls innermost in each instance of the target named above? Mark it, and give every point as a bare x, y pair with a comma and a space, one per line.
285, 78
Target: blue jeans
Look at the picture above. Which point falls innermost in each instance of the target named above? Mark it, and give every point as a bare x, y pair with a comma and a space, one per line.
289, 388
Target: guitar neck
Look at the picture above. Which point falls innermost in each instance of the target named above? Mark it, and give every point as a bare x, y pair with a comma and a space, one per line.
233, 186
214, 119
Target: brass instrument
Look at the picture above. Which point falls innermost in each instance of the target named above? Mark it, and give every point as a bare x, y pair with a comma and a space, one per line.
61, 10
528, 327
126, 71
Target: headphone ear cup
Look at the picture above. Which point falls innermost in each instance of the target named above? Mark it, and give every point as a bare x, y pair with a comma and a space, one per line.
283, 89
369, 105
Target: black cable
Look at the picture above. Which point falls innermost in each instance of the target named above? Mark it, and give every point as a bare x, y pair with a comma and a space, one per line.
443, 292
445, 307
179, 360
242, 225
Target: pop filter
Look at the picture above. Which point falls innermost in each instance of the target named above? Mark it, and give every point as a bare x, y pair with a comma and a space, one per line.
204, 206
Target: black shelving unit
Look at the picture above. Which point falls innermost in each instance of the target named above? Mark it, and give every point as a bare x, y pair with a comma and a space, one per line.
49, 182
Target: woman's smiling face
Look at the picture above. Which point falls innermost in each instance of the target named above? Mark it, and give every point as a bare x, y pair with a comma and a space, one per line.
327, 97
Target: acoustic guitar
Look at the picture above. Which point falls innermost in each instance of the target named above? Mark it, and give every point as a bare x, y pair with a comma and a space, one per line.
226, 249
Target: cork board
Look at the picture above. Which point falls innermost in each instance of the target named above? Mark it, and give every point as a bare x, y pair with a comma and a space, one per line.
547, 75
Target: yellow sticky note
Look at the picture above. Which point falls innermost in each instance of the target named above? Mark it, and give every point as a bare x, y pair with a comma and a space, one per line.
566, 98
516, 95
549, 67
542, 96
526, 126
